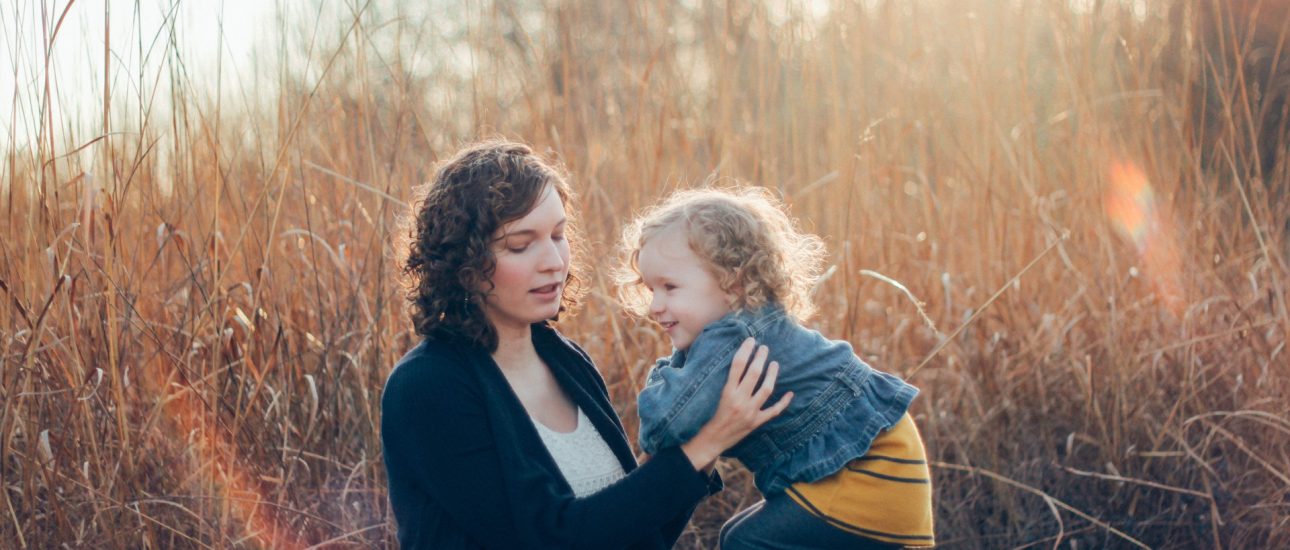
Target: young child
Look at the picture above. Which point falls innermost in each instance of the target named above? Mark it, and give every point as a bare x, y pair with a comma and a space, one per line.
843, 466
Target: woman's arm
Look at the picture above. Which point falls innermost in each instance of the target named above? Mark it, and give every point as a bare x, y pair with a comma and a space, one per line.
439, 440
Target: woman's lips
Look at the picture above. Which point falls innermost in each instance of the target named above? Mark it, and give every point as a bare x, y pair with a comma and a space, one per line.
546, 291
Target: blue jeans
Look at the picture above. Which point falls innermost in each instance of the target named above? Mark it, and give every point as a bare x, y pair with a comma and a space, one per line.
778, 523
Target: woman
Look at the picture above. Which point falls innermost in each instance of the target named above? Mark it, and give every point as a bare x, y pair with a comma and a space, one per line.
497, 430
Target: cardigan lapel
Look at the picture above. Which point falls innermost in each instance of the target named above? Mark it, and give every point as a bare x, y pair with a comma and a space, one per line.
513, 424
530, 466
573, 372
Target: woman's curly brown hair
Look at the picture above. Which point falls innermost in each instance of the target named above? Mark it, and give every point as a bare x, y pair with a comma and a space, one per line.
447, 258
752, 247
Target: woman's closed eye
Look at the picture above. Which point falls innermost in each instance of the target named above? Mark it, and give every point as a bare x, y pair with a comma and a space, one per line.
519, 246
516, 248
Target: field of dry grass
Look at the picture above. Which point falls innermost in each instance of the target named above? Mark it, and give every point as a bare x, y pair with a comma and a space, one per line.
198, 304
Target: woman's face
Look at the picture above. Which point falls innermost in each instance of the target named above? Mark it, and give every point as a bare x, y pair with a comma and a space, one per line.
532, 262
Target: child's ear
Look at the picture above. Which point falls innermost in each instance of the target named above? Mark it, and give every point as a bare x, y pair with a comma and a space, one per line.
732, 287
732, 298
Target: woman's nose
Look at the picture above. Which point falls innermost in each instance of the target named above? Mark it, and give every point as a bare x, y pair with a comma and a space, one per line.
552, 259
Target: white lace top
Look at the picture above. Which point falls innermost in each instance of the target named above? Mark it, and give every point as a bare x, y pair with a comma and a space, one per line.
583, 456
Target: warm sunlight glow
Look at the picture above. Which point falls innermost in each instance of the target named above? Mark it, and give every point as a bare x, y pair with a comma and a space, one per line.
1131, 205
216, 463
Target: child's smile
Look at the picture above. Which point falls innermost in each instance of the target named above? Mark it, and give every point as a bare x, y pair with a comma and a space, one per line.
685, 294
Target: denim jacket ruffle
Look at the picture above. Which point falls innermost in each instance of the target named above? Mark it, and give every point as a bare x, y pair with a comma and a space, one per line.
840, 404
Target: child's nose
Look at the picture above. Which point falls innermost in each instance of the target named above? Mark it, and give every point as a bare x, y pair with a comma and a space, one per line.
656, 304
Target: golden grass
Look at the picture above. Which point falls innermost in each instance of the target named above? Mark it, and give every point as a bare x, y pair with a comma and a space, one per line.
197, 324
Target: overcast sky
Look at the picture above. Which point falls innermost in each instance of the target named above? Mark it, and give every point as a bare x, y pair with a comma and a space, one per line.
140, 32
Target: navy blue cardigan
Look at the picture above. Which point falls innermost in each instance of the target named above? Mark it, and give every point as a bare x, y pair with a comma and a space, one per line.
467, 468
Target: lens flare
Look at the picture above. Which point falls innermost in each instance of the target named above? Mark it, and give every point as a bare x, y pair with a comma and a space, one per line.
216, 457
1131, 204
240, 499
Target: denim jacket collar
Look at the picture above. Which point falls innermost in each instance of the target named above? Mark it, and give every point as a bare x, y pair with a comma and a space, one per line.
753, 321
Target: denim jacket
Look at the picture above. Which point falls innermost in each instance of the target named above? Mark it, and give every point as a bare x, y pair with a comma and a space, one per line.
839, 406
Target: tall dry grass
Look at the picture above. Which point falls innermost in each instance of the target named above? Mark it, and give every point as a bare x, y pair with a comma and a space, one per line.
200, 306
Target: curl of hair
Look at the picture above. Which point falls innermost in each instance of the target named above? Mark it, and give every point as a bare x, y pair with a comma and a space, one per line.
752, 247
445, 244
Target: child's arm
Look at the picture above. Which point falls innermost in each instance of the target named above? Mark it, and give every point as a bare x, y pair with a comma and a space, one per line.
676, 402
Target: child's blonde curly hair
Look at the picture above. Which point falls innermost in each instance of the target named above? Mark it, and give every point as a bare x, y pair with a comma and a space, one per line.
752, 247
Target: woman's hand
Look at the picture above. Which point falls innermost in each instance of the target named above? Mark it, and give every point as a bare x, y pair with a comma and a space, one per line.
740, 410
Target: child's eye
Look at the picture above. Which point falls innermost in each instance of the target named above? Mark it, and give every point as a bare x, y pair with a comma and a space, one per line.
559, 237
669, 286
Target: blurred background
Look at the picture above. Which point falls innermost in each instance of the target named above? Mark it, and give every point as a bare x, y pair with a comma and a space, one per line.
199, 301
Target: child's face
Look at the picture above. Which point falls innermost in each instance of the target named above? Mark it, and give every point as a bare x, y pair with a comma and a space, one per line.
686, 296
